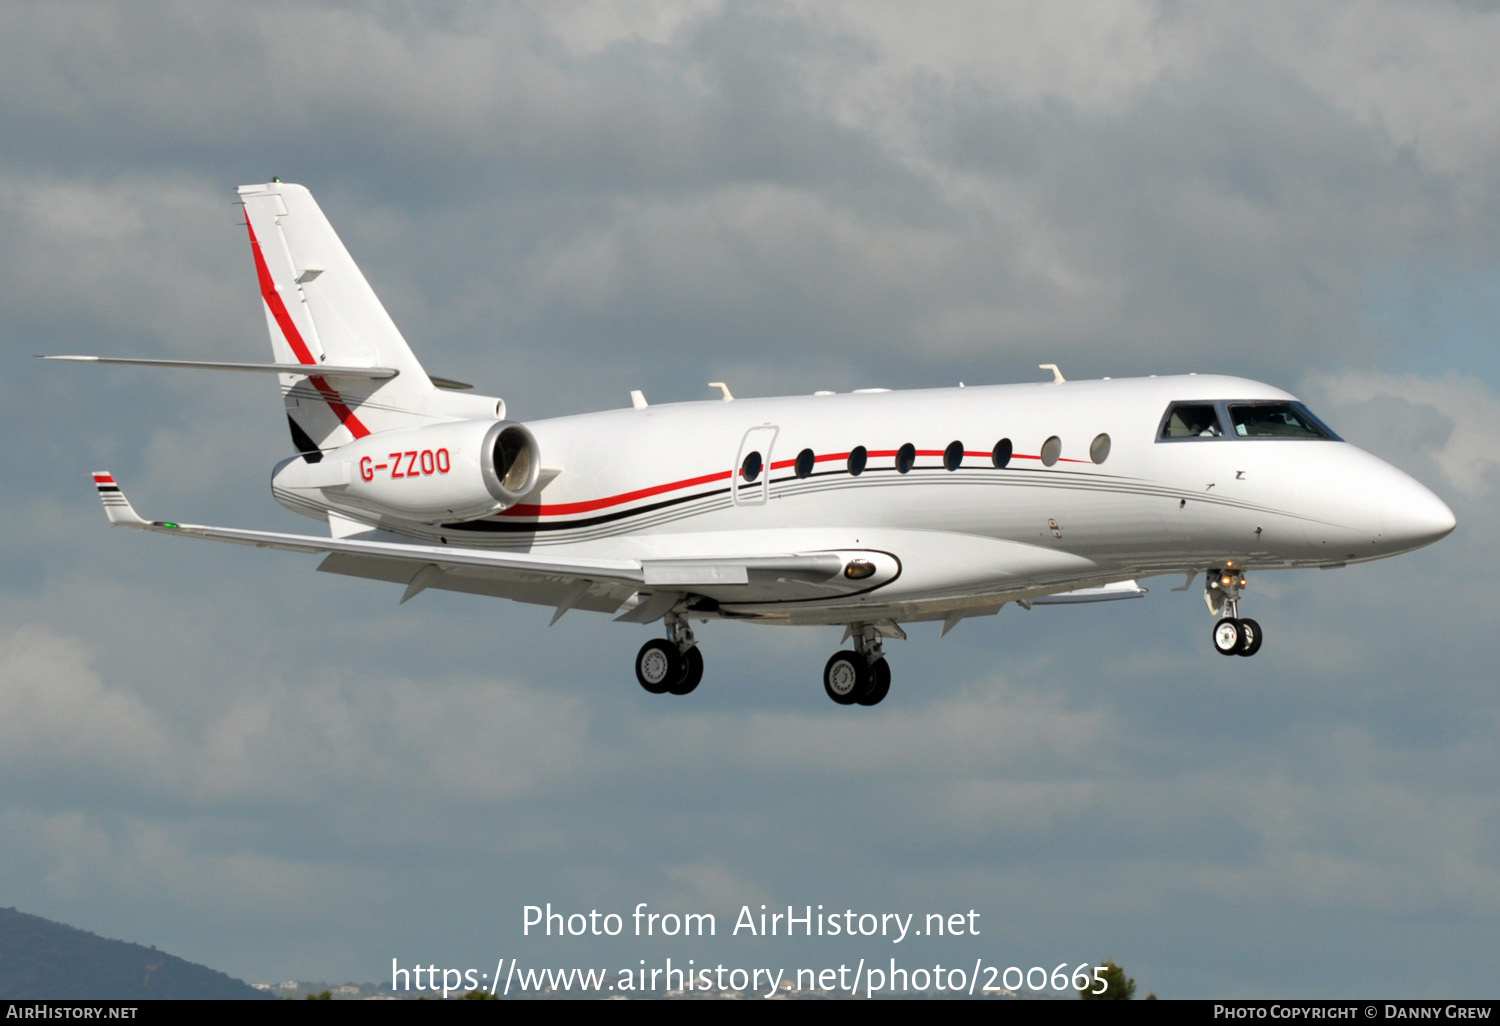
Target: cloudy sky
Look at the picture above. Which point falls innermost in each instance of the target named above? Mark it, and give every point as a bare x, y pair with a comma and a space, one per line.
280, 773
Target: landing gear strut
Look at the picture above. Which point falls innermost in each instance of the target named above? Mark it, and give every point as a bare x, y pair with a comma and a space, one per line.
1232, 635
861, 676
671, 664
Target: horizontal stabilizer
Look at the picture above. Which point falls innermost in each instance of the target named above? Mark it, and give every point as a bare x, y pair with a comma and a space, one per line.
322, 370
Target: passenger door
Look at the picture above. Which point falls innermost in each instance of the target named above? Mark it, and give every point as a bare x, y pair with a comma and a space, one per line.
751, 475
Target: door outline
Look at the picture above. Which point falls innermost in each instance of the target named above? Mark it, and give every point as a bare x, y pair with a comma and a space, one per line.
759, 439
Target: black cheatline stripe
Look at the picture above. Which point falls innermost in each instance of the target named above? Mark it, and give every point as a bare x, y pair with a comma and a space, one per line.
478, 526
108, 488
682, 513
515, 526
512, 527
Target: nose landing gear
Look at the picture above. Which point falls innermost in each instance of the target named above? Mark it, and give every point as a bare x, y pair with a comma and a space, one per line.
1232, 635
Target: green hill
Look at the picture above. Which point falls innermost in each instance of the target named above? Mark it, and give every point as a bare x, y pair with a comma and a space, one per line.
41, 959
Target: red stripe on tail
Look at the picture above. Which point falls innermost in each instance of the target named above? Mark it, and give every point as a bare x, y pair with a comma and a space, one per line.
294, 339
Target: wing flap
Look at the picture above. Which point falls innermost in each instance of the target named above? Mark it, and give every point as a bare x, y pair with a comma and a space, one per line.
1103, 593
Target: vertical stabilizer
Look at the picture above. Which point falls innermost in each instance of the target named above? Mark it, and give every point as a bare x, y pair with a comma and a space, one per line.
320, 309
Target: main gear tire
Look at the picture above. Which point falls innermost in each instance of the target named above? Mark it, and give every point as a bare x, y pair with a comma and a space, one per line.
846, 677
658, 665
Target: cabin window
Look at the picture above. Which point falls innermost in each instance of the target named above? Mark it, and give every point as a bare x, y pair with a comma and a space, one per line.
906, 458
1276, 420
1051, 451
1191, 420
1099, 448
805, 460
750, 469
858, 456
953, 456
1001, 454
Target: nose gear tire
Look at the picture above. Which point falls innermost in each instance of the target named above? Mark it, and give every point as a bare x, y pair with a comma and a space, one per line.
1227, 636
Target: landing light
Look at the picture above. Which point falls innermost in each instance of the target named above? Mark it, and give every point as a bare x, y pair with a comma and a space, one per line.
859, 569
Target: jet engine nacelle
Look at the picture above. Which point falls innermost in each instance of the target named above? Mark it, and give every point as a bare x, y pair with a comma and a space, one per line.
461, 470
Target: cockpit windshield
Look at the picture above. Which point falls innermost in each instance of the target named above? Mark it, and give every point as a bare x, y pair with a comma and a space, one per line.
1276, 420
1232, 419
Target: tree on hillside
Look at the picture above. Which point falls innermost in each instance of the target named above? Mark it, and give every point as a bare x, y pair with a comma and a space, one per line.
1117, 986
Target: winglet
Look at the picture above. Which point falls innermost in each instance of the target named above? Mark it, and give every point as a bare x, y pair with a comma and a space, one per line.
116, 506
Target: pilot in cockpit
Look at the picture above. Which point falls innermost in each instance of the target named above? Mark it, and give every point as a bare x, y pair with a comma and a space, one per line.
1193, 421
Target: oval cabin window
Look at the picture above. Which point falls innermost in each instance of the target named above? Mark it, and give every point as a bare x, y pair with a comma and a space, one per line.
953, 456
906, 458
857, 459
750, 469
1099, 448
1051, 451
1001, 454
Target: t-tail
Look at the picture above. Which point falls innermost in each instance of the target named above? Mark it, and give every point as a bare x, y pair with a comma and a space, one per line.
376, 438
321, 312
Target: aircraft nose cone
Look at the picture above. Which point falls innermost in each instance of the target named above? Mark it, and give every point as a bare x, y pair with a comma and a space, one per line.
1414, 516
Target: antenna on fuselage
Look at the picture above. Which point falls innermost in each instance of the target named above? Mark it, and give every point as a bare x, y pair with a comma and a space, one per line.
1057, 378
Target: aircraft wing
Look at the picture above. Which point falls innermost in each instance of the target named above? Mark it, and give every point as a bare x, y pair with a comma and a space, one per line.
642, 585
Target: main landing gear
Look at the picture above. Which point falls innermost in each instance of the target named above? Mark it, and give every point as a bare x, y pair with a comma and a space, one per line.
1232, 635
861, 676
670, 665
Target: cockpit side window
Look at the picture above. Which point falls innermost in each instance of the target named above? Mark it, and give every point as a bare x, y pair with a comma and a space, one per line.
1276, 420
1191, 420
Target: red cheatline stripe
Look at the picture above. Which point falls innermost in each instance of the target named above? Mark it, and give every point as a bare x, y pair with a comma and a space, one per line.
591, 505
563, 508
294, 338
104, 479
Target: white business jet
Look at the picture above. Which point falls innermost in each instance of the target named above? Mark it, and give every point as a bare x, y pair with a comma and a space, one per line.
864, 510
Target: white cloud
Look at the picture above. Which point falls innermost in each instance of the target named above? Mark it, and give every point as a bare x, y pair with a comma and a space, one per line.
57, 712
1465, 453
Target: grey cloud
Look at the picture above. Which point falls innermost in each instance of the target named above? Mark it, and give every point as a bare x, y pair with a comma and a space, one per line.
281, 772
